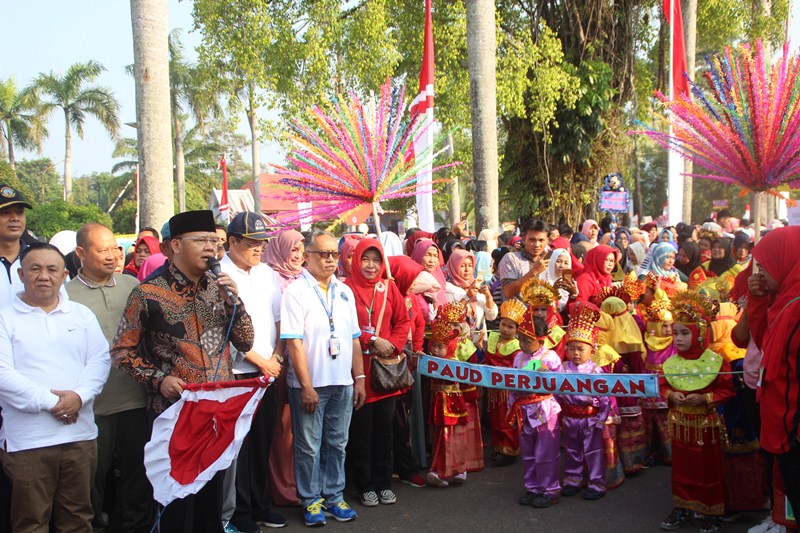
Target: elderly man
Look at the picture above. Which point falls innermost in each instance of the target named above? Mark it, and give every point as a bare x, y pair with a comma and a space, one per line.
519, 266
53, 362
326, 378
173, 332
259, 290
119, 411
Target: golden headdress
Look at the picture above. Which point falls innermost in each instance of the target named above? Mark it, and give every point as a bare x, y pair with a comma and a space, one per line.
527, 326
443, 331
660, 310
583, 324
630, 290
453, 311
513, 309
691, 307
652, 281
717, 288
536, 293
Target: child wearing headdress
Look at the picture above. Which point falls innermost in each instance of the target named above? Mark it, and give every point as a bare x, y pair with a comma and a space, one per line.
583, 417
695, 381
448, 413
536, 416
467, 351
543, 298
658, 347
626, 339
501, 348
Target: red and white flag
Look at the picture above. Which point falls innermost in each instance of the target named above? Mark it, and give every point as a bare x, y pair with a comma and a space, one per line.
423, 106
223, 198
677, 63
200, 435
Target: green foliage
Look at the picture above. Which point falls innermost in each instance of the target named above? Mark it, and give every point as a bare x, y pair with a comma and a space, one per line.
124, 217
21, 123
48, 219
40, 177
9, 177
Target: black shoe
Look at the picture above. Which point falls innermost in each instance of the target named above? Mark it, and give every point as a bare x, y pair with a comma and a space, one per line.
543, 501
272, 520
676, 519
245, 524
527, 498
504, 460
593, 495
570, 490
710, 525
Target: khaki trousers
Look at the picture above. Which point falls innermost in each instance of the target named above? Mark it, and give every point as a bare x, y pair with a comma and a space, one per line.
53, 480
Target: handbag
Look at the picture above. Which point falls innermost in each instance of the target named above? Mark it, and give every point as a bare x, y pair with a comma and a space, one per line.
389, 374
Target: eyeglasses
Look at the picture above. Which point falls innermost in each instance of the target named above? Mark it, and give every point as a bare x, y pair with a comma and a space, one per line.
213, 241
323, 254
251, 243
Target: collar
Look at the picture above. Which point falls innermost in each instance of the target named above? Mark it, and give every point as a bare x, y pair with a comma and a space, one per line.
91, 284
22, 307
313, 281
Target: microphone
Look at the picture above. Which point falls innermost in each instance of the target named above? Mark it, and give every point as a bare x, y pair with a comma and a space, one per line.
213, 266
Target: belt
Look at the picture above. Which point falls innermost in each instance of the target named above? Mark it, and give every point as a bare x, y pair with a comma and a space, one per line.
578, 411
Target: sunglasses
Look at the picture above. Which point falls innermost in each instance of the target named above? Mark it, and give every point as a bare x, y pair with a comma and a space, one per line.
324, 254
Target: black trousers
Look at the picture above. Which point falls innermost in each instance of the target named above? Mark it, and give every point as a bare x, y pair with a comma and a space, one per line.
405, 464
371, 443
789, 467
124, 434
197, 513
252, 463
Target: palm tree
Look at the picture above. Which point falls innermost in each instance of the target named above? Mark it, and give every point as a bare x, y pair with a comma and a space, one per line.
77, 101
151, 72
481, 56
21, 121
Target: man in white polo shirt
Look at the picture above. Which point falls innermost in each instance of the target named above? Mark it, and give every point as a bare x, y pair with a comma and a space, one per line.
326, 378
53, 362
258, 289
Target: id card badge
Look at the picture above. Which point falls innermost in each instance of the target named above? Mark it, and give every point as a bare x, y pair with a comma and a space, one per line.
334, 348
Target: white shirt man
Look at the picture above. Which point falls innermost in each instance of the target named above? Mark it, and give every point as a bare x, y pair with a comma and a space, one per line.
53, 362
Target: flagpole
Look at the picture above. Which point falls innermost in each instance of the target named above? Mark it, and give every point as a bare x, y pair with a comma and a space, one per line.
138, 202
674, 160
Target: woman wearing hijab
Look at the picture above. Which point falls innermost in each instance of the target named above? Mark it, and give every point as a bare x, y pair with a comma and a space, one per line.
483, 266
145, 247
688, 259
663, 266
346, 248
722, 264
591, 231
284, 254
463, 285
622, 239
427, 254
385, 324
412, 240
598, 265
636, 255
560, 261
563, 244
777, 285
741, 249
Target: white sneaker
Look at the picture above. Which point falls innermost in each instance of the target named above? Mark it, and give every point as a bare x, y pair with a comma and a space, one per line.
763, 527
777, 528
460, 478
369, 498
434, 480
387, 497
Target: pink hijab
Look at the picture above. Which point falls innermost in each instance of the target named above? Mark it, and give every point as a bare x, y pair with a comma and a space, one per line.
587, 226
457, 258
420, 249
276, 253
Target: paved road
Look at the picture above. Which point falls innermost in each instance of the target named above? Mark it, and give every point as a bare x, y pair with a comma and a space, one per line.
487, 502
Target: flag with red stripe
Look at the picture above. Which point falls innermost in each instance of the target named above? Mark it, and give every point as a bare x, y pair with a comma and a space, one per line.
422, 107
223, 198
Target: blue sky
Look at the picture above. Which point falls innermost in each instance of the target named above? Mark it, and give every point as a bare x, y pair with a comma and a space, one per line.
38, 36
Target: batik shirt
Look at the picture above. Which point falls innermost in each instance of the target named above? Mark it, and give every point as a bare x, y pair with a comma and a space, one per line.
175, 327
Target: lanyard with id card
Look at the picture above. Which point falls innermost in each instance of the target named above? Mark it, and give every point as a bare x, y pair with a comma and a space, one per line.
334, 348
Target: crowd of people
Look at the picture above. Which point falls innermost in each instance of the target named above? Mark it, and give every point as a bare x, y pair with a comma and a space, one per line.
89, 356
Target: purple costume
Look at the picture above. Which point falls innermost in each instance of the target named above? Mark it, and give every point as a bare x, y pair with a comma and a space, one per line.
582, 421
539, 438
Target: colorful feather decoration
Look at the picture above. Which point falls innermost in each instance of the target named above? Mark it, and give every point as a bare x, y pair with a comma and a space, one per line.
745, 127
351, 156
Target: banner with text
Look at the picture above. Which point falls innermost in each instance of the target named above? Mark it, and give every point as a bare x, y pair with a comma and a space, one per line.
636, 385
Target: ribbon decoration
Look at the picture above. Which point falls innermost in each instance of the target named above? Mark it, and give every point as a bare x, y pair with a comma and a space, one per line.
632, 385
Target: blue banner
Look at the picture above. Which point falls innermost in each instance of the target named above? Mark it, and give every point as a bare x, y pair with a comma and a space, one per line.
534, 381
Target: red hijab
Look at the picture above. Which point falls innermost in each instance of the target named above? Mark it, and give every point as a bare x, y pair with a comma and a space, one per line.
349, 243
411, 242
457, 259
152, 245
593, 277
697, 348
365, 290
420, 249
404, 271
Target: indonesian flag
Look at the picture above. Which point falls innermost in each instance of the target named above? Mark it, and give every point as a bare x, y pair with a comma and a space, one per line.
223, 199
200, 435
677, 63
423, 106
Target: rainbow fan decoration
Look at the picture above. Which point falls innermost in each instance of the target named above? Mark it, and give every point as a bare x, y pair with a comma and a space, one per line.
745, 128
351, 156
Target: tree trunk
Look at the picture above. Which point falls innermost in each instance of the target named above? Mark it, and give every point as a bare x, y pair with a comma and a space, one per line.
481, 52
10, 143
180, 171
689, 9
67, 158
151, 74
455, 202
252, 120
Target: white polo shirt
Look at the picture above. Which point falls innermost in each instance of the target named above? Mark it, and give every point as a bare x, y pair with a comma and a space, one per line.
304, 316
64, 349
258, 289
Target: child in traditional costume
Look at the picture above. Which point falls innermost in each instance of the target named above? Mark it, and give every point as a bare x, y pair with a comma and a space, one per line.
543, 298
536, 416
659, 347
583, 417
448, 413
695, 381
501, 348
467, 351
